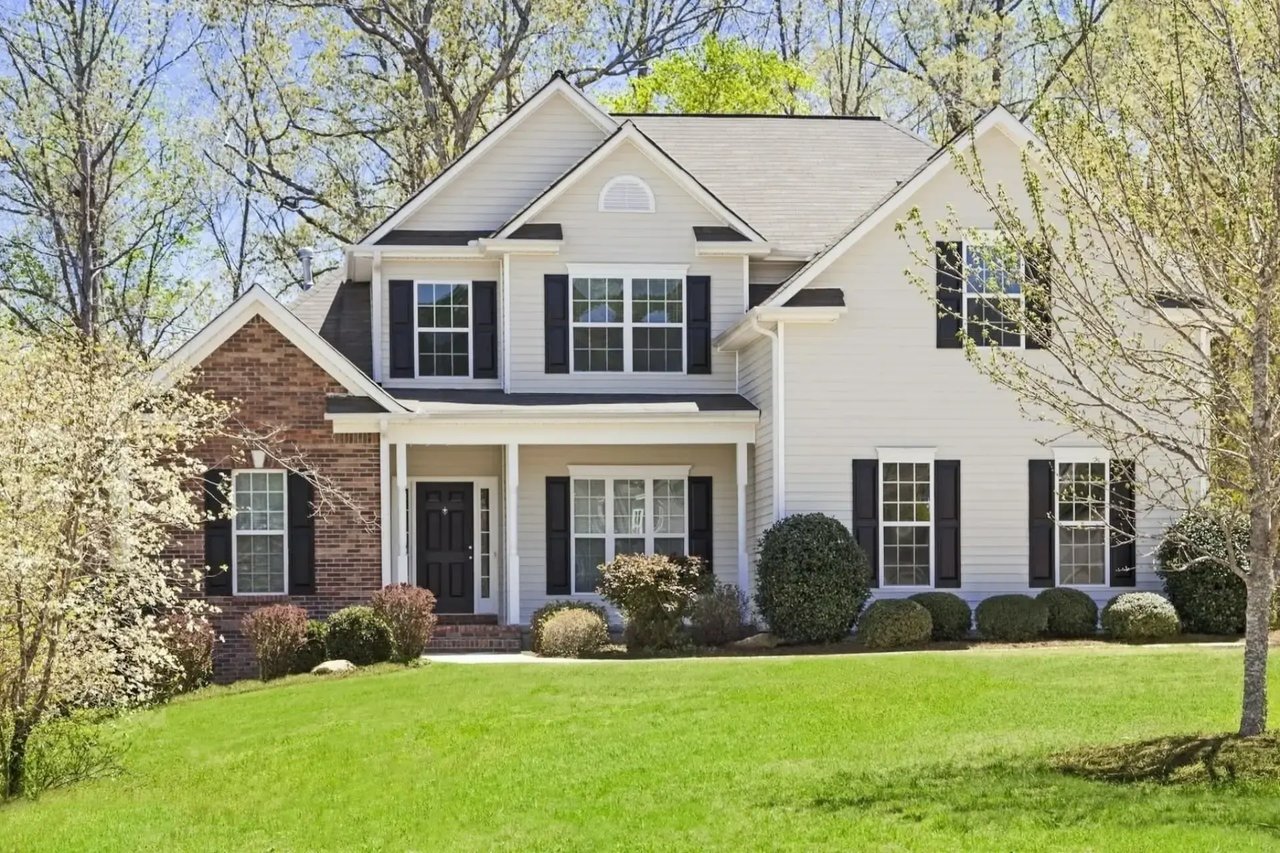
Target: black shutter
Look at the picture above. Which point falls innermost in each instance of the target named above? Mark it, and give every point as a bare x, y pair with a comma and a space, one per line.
484, 329
302, 535
1039, 298
698, 323
866, 513
555, 289
947, 269
1124, 548
701, 537
400, 307
946, 522
1040, 499
217, 532
558, 509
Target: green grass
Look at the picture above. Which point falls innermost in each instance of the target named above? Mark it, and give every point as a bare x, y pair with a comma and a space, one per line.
934, 751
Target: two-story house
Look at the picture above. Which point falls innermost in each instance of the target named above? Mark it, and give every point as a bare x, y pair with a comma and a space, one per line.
597, 333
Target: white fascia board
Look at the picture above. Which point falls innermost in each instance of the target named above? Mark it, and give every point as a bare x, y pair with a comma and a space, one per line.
498, 246
625, 431
257, 302
998, 119
557, 87
746, 330
436, 253
732, 248
629, 133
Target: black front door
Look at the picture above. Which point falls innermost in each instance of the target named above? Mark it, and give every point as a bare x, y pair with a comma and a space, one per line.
445, 536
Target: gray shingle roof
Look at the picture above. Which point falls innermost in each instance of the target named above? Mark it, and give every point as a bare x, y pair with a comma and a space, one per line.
339, 311
799, 181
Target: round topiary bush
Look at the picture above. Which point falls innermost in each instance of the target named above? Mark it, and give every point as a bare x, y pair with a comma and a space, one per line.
1138, 616
540, 616
1072, 613
573, 633
812, 579
950, 614
1193, 561
358, 634
1012, 618
894, 623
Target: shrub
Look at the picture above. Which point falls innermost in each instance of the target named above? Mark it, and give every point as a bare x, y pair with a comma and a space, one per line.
189, 639
573, 633
1072, 613
1192, 559
950, 614
77, 747
1137, 616
275, 633
551, 608
358, 634
410, 613
313, 652
1012, 618
654, 593
893, 623
716, 615
812, 579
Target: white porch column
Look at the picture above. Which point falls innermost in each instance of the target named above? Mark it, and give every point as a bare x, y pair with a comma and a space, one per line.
375, 313
384, 501
402, 514
510, 505
744, 568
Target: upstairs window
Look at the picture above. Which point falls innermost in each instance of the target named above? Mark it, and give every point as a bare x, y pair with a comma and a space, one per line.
626, 194
444, 329
992, 277
628, 321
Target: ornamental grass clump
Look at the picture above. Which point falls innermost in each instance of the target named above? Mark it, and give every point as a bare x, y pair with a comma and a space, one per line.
276, 633
410, 613
654, 593
812, 579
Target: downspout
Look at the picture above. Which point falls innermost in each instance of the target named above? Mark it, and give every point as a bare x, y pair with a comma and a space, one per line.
779, 421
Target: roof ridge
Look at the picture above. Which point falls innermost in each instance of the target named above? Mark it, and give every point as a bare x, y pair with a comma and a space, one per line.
751, 115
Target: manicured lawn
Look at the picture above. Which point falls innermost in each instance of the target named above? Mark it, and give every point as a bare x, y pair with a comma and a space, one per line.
933, 751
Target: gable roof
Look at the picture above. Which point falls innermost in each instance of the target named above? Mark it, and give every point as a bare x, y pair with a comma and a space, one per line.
997, 119
257, 302
629, 133
557, 86
799, 179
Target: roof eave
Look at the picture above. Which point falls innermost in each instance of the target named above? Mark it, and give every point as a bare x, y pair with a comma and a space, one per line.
747, 329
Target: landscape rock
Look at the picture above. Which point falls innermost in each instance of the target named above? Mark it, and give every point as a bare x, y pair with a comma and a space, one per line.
764, 640
332, 666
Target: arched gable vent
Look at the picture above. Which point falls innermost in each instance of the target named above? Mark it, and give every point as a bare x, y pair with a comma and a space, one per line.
626, 194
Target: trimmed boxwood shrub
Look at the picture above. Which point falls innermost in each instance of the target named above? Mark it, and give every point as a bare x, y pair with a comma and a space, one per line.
716, 615
1192, 560
812, 579
1137, 616
950, 614
893, 623
551, 608
358, 634
573, 633
1012, 618
313, 652
1072, 613
654, 593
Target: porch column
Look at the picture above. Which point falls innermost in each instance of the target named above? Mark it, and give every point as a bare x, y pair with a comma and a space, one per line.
384, 503
744, 568
402, 514
510, 505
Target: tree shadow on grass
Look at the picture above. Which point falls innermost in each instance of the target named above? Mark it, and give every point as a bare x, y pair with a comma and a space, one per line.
1180, 759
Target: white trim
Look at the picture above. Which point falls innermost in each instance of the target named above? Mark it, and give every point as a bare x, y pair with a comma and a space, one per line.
283, 532
511, 530
533, 429
780, 426
731, 248
556, 86
505, 343
376, 286
492, 246
402, 513
746, 284
907, 456
740, 482
628, 273
604, 191
419, 329
634, 472
1081, 456
477, 482
628, 132
384, 491
998, 118
627, 270
748, 328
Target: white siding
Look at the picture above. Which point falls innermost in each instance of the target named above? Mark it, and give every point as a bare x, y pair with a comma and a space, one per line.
755, 382
544, 146
875, 378
591, 237
539, 462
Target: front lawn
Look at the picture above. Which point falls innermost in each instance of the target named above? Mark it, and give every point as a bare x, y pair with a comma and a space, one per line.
931, 751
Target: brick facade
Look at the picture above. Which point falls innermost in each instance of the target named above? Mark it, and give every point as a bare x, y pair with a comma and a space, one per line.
275, 385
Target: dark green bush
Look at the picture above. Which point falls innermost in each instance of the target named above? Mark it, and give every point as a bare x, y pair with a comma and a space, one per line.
1012, 618
1193, 562
893, 623
716, 615
654, 593
574, 633
812, 579
950, 614
1072, 613
313, 652
358, 634
551, 608
1138, 616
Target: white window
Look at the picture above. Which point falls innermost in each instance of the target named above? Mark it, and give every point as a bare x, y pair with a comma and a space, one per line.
258, 543
992, 276
627, 320
625, 511
1082, 512
626, 194
486, 544
906, 518
444, 329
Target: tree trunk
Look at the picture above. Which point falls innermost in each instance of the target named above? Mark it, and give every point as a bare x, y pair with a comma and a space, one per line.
15, 764
1257, 627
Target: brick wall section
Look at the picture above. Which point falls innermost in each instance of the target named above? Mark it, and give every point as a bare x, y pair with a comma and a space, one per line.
277, 385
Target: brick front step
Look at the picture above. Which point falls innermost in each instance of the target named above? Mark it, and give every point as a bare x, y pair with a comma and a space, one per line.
456, 636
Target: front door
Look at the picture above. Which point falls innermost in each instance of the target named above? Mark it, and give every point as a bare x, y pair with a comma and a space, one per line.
446, 556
